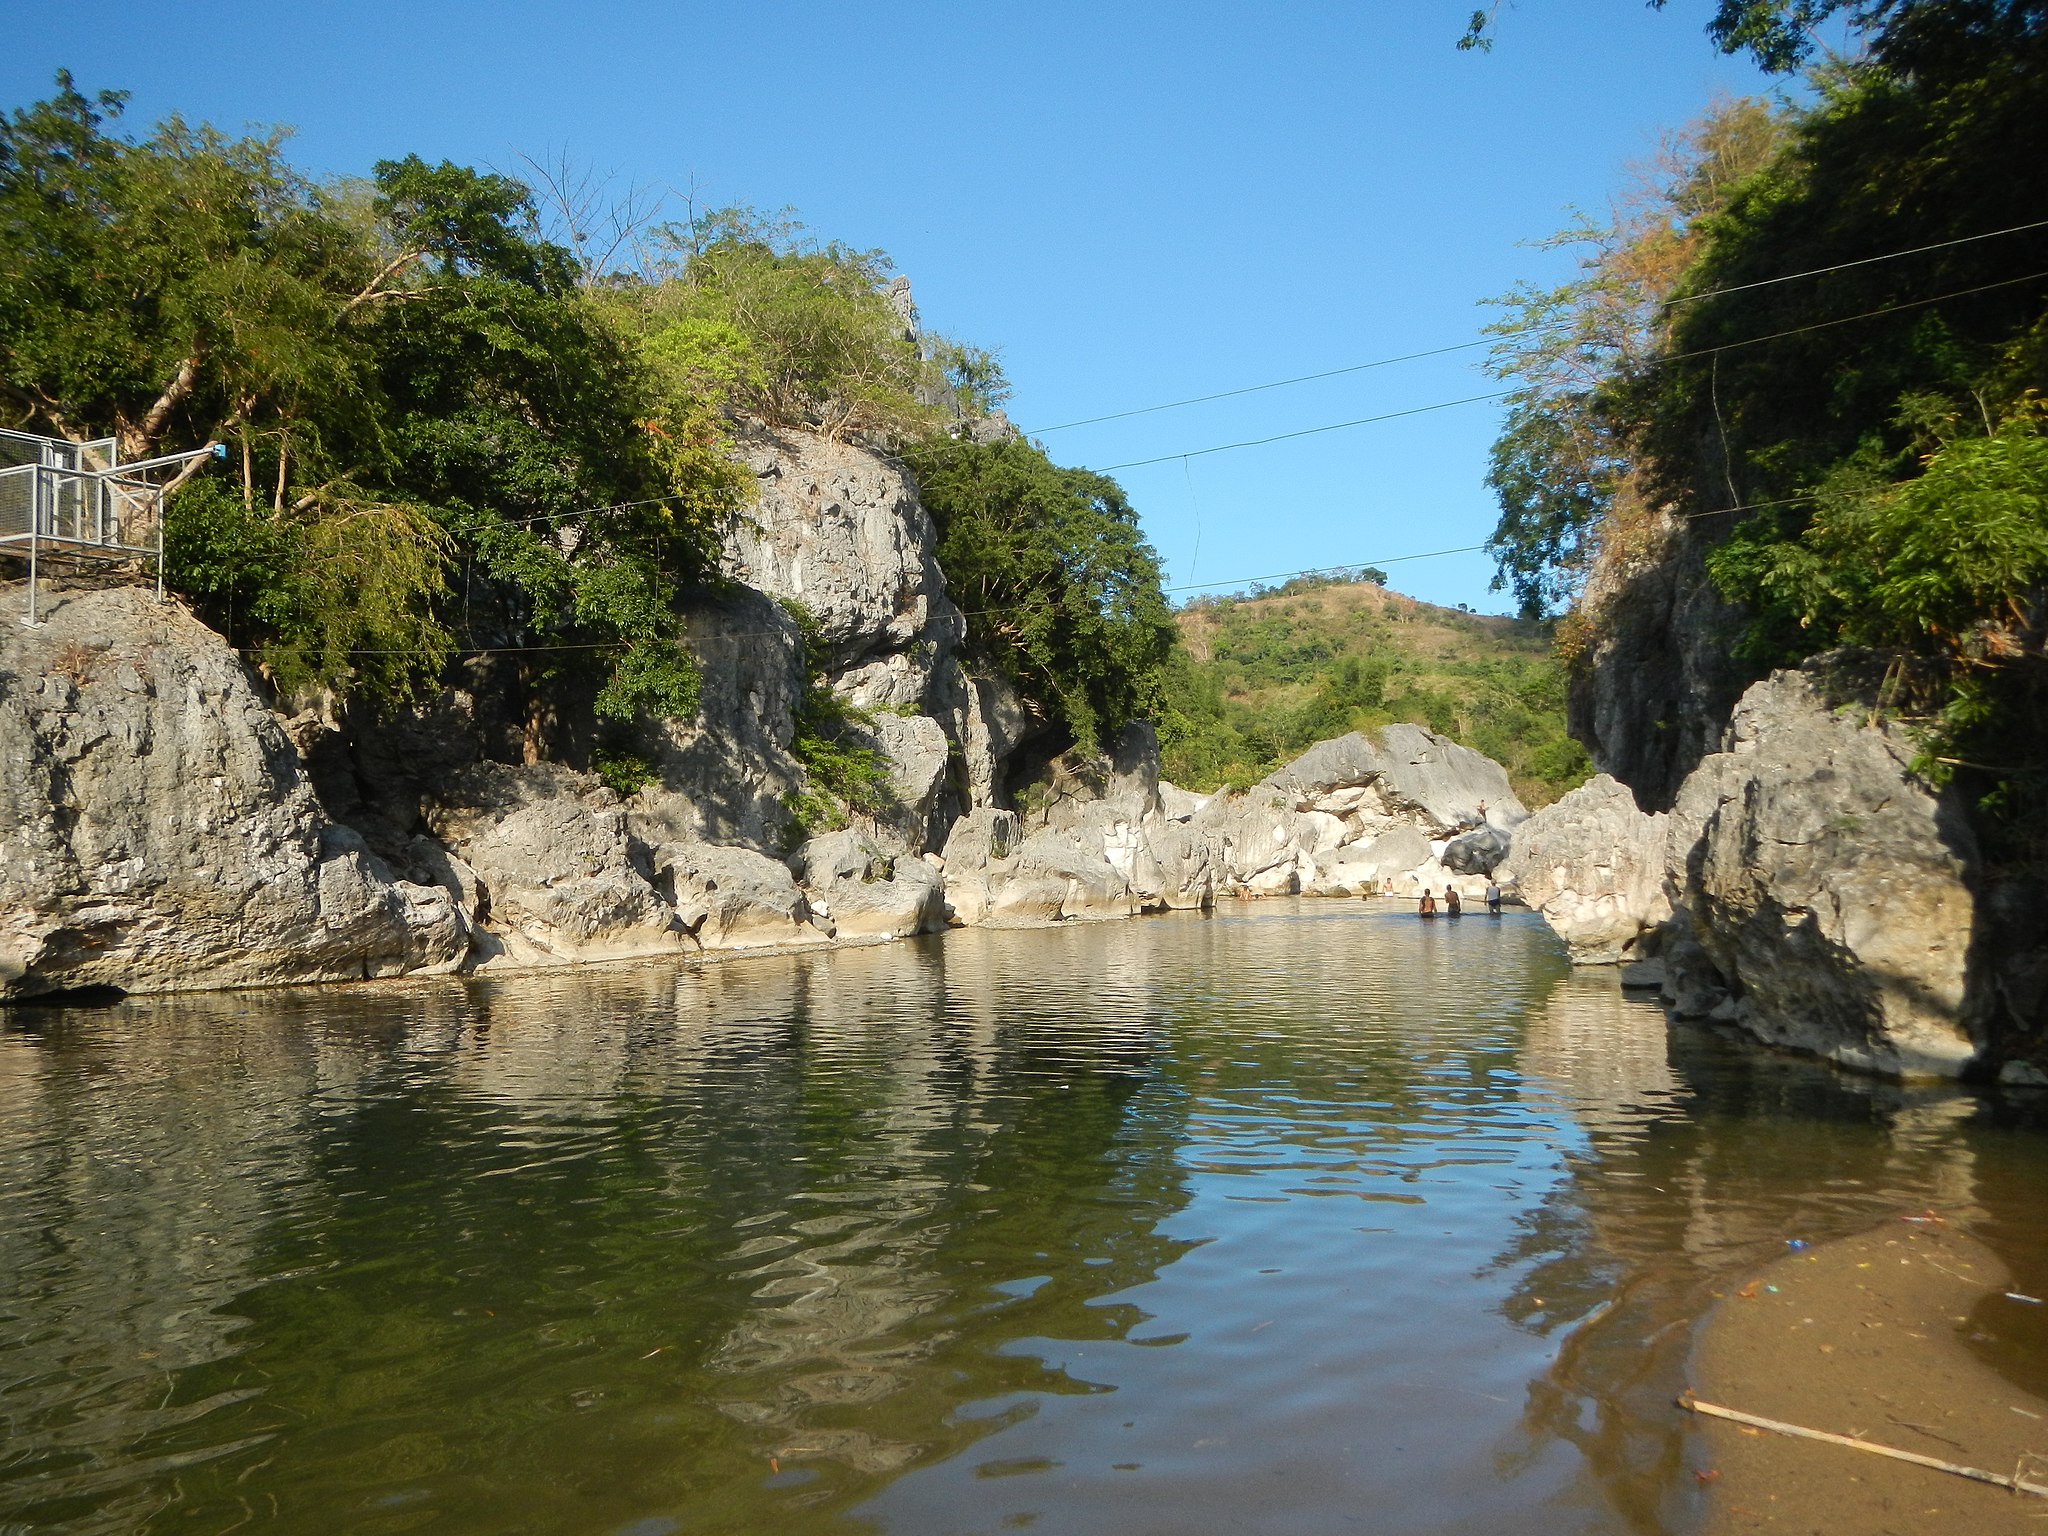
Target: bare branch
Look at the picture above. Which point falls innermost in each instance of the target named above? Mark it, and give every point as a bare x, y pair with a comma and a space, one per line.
189, 471
136, 441
581, 212
374, 289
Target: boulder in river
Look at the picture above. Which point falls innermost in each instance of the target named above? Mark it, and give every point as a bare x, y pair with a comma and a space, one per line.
1830, 887
559, 880
157, 832
1593, 865
860, 890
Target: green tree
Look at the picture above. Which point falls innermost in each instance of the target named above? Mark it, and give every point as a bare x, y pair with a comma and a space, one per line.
1061, 590
407, 377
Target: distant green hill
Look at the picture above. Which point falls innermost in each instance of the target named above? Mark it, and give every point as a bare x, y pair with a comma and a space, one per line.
1257, 679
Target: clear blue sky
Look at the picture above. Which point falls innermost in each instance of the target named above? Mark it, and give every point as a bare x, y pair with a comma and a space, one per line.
1132, 202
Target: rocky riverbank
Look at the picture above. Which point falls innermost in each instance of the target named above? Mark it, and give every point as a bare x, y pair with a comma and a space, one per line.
165, 826
1773, 857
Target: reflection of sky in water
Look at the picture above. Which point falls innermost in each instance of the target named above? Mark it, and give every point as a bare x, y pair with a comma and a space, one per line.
1257, 1222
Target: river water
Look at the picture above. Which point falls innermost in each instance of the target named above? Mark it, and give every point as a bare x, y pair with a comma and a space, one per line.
1300, 1217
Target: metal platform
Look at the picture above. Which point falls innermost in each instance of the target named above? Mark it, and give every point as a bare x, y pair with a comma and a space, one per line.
78, 504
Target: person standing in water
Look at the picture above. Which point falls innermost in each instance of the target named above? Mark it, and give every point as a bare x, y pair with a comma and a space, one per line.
1428, 907
1452, 907
1492, 899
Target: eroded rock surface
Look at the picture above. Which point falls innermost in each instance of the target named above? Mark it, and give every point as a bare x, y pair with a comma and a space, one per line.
1830, 888
1593, 864
860, 890
156, 830
558, 880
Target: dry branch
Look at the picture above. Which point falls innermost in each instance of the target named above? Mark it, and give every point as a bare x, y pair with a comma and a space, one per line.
1778, 1426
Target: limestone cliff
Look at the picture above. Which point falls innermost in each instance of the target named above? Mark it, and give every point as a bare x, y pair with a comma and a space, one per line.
1653, 690
161, 828
157, 832
1815, 890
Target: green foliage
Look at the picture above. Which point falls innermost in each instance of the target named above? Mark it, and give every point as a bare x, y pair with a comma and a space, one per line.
624, 772
1565, 454
1279, 673
406, 376
744, 310
1951, 564
341, 589
1782, 35
1871, 430
1060, 589
843, 773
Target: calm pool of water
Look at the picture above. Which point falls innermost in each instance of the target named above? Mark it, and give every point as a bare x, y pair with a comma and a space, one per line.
1297, 1218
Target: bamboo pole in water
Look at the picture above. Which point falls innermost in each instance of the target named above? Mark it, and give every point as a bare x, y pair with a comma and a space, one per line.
2015, 1483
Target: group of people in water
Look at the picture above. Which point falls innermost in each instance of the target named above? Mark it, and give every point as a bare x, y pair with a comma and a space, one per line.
1453, 907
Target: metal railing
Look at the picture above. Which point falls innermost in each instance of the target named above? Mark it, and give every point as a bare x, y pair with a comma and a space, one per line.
78, 503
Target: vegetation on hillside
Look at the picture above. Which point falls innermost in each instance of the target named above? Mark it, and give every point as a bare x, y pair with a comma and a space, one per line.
453, 426
1863, 448
448, 431
1257, 681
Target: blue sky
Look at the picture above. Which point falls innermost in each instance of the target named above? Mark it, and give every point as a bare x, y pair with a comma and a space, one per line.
1134, 203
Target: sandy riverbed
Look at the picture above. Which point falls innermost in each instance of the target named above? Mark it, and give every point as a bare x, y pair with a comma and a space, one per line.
1883, 1337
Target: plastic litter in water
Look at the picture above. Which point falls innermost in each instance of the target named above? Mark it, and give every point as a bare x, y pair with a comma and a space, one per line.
2032, 1301
1795, 1243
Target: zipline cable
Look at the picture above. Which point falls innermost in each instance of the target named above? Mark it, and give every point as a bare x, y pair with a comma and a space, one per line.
469, 653
1501, 394
1498, 336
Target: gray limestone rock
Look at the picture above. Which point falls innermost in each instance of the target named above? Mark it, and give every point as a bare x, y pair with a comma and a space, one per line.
557, 880
1593, 865
1398, 852
157, 832
723, 776
1828, 885
863, 891
916, 753
732, 898
1478, 852
1663, 671
1409, 772
839, 530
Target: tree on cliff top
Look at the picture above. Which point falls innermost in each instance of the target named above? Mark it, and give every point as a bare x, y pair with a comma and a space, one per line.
406, 376
746, 309
1565, 453
1842, 400
1060, 589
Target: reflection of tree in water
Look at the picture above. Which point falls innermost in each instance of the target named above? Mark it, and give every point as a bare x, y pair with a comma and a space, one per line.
1703, 1156
559, 1250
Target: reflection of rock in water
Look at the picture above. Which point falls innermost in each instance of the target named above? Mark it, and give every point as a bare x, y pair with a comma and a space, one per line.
844, 1299
1604, 1053
1703, 1156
